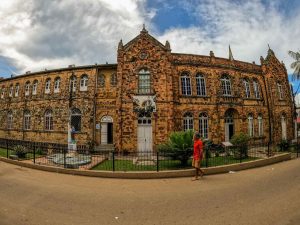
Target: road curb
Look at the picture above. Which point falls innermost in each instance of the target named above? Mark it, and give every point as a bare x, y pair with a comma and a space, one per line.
154, 174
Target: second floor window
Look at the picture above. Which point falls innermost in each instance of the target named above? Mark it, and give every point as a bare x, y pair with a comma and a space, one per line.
84, 83
256, 89
73, 82
113, 79
9, 120
280, 91
144, 82
186, 84
47, 86
200, 82
17, 90
57, 85
3, 92
247, 88
27, 88
34, 87
226, 86
11, 90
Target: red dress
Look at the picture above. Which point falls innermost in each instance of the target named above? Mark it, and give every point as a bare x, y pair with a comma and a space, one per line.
198, 150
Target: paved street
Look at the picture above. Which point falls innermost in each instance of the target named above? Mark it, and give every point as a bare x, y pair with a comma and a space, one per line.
266, 195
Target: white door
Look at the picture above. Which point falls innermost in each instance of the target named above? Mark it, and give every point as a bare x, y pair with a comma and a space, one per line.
103, 133
144, 138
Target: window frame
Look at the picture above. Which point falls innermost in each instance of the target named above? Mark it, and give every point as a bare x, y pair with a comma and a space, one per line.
203, 125
200, 85
57, 82
144, 81
48, 86
188, 121
48, 120
27, 120
247, 88
226, 86
84, 83
34, 87
186, 87
250, 125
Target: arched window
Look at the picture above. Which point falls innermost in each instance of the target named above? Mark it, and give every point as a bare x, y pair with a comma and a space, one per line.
260, 125
47, 86
250, 125
17, 90
144, 82
186, 84
283, 127
84, 83
27, 88
27, 120
203, 125
101, 80
11, 90
247, 88
34, 87
3, 92
256, 89
9, 120
280, 91
76, 119
113, 79
57, 85
48, 120
201, 87
226, 85
188, 121
73, 83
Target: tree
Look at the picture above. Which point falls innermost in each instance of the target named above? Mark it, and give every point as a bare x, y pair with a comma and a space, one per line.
295, 65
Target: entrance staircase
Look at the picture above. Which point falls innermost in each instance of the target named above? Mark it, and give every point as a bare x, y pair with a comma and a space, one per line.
105, 147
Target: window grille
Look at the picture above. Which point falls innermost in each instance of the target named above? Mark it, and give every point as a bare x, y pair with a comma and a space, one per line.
226, 86
247, 88
203, 125
84, 83
34, 87
48, 120
76, 120
186, 84
201, 87
144, 82
27, 120
188, 122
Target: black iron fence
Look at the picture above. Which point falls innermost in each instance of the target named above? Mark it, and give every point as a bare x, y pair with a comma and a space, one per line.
84, 158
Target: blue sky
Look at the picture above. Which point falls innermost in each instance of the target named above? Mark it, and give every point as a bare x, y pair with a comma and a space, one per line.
37, 34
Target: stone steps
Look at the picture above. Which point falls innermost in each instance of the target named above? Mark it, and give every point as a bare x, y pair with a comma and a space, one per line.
105, 147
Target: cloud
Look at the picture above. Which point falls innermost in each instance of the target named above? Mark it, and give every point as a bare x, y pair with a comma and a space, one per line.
52, 34
248, 26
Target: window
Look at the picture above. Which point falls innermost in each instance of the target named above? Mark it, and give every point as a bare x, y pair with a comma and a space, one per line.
186, 84
247, 88
57, 85
48, 120
27, 119
260, 125
3, 92
17, 90
11, 90
256, 89
113, 79
73, 82
203, 125
280, 91
9, 120
200, 82
101, 80
188, 121
34, 87
76, 119
226, 85
27, 88
250, 125
144, 82
83, 83
48, 86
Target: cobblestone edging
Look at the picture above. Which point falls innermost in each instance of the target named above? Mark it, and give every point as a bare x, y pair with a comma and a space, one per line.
154, 174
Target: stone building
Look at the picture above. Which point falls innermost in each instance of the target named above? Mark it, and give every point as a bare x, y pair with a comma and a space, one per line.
151, 91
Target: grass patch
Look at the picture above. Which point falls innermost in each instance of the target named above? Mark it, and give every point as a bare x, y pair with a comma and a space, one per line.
3, 153
128, 165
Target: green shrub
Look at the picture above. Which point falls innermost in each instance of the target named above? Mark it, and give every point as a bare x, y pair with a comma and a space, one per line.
240, 148
20, 151
284, 145
179, 146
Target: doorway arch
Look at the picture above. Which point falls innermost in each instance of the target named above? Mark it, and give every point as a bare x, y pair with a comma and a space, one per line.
107, 130
230, 117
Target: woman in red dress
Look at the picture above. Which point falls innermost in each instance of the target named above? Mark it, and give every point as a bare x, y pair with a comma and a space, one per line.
197, 156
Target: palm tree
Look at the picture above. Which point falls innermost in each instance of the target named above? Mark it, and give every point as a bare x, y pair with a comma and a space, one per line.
295, 65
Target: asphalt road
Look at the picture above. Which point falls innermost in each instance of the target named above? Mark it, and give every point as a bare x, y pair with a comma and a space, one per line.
266, 195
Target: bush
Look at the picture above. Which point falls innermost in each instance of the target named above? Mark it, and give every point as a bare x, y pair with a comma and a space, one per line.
21, 151
179, 146
240, 148
284, 145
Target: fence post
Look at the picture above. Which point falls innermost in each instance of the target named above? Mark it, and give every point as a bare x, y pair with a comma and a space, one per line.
113, 158
65, 163
157, 162
33, 153
206, 156
6, 148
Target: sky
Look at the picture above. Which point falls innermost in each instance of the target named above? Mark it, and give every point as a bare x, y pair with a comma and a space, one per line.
45, 34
